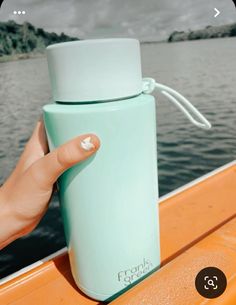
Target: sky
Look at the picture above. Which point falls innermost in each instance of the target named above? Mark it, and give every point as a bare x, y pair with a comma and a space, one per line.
143, 19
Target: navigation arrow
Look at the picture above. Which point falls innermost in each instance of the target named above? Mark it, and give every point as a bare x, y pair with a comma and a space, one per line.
217, 12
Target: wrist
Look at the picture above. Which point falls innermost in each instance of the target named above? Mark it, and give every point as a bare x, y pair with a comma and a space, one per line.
11, 226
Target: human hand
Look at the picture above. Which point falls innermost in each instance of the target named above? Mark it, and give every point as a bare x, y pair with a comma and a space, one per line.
25, 196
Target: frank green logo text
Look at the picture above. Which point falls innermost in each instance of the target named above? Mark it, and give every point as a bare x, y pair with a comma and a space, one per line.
128, 276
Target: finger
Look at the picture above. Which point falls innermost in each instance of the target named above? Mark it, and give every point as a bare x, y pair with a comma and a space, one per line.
38, 141
35, 149
46, 170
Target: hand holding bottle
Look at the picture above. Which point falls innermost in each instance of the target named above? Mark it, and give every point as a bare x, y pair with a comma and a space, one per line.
25, 196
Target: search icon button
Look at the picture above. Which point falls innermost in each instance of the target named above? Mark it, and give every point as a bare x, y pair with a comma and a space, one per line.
210, 282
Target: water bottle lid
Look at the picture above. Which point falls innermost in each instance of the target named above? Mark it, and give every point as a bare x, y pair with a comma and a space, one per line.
95, 69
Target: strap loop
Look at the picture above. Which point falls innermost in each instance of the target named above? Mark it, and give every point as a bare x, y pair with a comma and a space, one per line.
149, 85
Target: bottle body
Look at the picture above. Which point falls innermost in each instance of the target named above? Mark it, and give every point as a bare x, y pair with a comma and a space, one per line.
109, 202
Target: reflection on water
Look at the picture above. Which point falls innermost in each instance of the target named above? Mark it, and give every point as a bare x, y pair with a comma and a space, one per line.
203, 71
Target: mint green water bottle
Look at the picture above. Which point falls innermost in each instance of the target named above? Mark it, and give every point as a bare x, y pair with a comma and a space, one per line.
108, 202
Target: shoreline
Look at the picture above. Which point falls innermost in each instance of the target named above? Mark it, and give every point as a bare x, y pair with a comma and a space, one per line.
209, 32
35, 55
21, 56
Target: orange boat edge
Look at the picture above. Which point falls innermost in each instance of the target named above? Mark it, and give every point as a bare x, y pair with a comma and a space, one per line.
198, 229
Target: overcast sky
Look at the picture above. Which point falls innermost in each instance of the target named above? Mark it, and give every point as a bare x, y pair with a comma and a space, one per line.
143, 19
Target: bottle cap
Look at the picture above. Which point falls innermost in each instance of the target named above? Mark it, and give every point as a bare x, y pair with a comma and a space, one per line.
95, 70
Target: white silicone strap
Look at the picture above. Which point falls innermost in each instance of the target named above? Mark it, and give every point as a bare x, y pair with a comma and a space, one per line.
149, 85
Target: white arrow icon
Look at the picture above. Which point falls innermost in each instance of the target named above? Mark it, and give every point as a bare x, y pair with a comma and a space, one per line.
217, 12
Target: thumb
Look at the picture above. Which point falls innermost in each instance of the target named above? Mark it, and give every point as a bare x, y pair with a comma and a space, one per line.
45, 171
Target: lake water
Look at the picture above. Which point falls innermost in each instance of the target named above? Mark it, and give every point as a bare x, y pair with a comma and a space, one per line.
204, 71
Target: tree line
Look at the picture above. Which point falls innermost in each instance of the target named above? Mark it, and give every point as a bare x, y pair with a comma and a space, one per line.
25, 38
228, 30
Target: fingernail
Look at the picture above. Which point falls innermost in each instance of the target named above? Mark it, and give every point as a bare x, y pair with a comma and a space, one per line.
86, 144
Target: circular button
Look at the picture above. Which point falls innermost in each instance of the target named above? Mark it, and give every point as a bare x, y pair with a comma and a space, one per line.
210, 282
